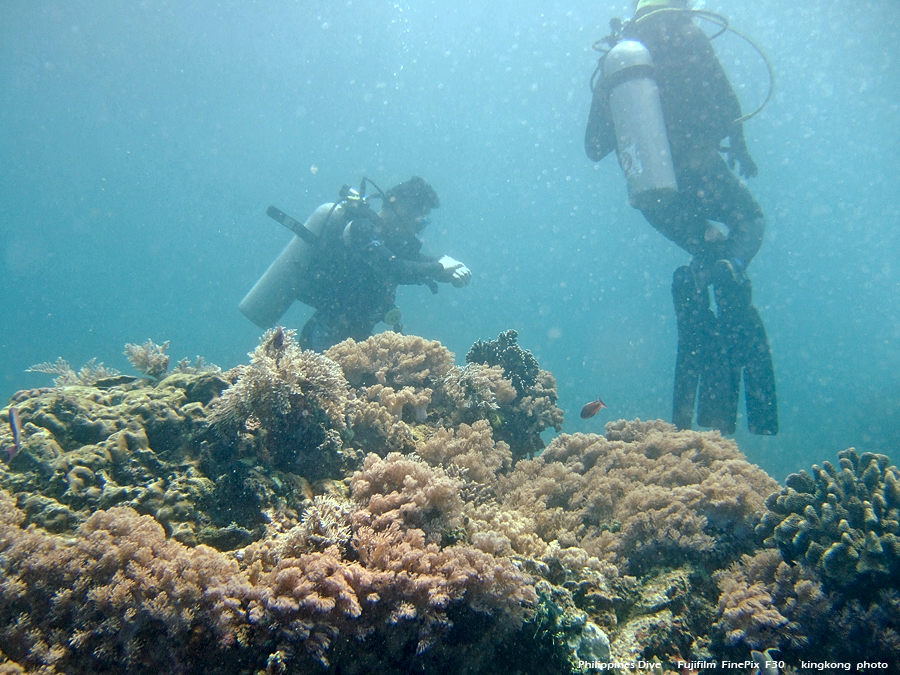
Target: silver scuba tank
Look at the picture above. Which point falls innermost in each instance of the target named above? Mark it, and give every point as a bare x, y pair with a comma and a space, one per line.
286, 280
641, 139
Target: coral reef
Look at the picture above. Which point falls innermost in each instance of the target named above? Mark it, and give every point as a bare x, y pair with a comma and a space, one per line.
842, 523
118, 590
289, 405
89, 374
520, 421
375, 509
149, 358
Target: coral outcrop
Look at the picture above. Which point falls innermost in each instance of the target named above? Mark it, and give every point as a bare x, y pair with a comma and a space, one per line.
289, 406
519, 422
87, 448
394, 378
682, 496
843, 522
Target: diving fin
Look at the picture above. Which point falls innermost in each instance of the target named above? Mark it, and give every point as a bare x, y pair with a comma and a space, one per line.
696, 326
720, 387
759, 380
742, 345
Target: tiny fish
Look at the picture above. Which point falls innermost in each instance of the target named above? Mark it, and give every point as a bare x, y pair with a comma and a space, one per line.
278, 338
592, 409
15, 425
766, 664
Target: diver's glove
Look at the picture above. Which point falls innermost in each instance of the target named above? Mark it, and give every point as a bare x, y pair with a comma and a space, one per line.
455, 272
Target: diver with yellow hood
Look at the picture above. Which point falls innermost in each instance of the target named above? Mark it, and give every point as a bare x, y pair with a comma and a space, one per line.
663, 101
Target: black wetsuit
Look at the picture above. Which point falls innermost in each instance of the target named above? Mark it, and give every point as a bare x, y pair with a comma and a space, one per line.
700, 108
355, 276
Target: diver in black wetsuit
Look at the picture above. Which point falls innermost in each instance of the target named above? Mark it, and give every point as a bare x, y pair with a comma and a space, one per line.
362, 257
700, 111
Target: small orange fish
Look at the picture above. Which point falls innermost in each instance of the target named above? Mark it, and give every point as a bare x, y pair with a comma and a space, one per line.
592, 409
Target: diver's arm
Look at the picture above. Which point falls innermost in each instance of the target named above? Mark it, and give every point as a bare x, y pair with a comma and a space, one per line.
418, 269
400, 270
727, 105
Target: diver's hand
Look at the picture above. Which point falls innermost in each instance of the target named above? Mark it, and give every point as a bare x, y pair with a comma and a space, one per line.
738, 154
455, 272
461, 276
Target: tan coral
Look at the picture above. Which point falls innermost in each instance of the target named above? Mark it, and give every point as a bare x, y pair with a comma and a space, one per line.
471, 448
628, 501
407, 490
393, 360
395, 401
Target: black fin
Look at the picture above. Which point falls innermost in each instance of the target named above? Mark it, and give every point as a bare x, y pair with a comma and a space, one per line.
743, 346
759, 381
696, 326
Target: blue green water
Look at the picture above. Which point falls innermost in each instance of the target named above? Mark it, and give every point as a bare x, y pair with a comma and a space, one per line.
140, 144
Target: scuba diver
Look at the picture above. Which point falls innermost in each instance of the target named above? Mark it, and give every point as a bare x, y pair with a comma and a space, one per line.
662, 100
347, 261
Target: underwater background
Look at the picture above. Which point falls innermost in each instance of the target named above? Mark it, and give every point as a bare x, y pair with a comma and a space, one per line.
142, 142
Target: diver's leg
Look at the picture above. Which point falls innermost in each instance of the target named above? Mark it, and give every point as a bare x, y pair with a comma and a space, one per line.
677, 220
727, 200
695, 323
724, 198
323, 330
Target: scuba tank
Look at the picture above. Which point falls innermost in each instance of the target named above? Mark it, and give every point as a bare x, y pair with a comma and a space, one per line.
284, 281
289, 276
641, 139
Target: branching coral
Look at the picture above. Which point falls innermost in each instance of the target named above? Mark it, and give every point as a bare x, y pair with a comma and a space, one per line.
681, 495
518, 365
393, 360
842, 523
520, 421
149, 358
89, 374
293, 402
